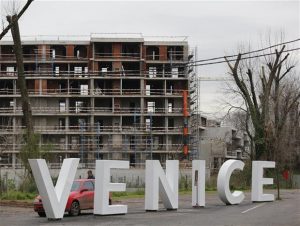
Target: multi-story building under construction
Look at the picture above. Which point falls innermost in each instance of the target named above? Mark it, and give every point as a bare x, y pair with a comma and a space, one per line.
104, 96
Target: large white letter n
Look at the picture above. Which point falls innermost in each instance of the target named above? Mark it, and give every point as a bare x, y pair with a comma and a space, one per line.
159, 183
54, 198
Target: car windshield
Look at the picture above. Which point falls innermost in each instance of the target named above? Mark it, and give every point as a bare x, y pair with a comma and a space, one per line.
75, 186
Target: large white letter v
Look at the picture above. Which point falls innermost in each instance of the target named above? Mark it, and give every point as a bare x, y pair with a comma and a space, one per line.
54, 198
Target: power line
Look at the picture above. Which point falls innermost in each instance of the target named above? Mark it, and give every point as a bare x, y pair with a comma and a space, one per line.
243, 58
246, 53
196, 62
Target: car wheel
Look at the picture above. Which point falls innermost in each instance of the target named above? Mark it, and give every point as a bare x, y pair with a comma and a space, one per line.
75, 209
42, 214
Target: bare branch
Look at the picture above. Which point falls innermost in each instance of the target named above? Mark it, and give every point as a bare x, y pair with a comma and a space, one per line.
249, 73
8, 27
286, 72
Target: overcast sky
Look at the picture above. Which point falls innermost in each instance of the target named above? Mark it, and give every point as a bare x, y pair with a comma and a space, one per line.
216, 27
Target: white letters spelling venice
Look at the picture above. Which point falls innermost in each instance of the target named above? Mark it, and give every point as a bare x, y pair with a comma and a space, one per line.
157, 183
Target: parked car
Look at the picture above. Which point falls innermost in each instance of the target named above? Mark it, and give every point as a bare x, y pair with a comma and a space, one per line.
81, 198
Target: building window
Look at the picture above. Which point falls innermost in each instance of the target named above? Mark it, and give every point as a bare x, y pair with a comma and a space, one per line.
77, 70
10, 71
152, 72
56, 71
151, 107
62, 106
148, 90
170, 123
84, 89
216, 163
148, 124
170, 107
175, 72
62, 123
78, 106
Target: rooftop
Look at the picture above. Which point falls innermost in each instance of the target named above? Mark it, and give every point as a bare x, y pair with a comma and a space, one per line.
98, 37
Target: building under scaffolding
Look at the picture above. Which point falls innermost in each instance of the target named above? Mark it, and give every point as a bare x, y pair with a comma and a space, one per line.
105, 96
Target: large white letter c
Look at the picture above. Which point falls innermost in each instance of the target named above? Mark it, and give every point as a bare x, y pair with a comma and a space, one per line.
223, 182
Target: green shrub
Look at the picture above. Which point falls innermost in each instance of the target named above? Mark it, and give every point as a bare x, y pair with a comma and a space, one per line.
11, 185
212, 184
140, 192
28, 185
119, 194
185, 183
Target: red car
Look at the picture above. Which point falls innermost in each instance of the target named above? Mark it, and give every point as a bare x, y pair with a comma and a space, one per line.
81, 198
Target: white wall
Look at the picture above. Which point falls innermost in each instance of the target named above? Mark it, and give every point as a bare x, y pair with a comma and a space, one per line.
133, 177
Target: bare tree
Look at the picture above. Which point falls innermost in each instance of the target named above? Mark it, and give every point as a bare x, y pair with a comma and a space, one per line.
30, 138
258, 101
21, 82
268, 100
284, 124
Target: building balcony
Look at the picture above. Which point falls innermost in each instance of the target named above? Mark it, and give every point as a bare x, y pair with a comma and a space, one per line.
40, 58
96, 74
87, 129
166, 74
141, 146
134, 56
172, 57
169, 111
98, 92
79, 110
231, 154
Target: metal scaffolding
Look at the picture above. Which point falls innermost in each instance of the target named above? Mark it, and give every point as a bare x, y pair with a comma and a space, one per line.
195, 116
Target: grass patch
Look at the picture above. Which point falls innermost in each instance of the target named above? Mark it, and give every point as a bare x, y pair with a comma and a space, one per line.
127, 195
17, 195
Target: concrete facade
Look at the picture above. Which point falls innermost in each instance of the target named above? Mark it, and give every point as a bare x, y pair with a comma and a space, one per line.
220, 143
117, 96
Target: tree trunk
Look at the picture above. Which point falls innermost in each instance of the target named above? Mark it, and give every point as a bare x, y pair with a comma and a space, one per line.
21, 82
277, 182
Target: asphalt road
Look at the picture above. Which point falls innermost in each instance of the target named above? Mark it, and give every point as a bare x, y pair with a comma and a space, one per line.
284, 212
